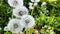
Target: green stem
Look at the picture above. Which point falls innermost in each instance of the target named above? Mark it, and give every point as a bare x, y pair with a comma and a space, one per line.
31, 30
12, 16
27, 31
7, 32
32, 12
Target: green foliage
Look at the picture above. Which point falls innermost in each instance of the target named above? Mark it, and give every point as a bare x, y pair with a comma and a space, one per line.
47, 17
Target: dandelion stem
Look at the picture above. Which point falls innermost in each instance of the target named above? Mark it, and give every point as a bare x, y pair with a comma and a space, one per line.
32, 12
12, 33
12, 15
26, 31
31, 30
7, 32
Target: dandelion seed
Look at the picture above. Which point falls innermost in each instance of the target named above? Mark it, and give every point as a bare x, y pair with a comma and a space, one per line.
28, 21
20, 11
15, 3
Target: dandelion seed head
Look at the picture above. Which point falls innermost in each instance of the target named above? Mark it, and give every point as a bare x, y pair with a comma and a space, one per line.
28, 20
15, 26
20, 11
15, 3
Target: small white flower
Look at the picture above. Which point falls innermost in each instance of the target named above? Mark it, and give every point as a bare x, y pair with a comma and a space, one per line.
30, 4
35, 0
10, 18
49, 27
0, 28
45, 26
15, 3
20, 11
52, 32
35, 4
28, 21
44, 3
47, 30
30, 7
14, 26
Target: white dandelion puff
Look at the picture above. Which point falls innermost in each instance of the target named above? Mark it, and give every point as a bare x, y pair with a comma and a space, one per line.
28, 21
35, 0
44, 3
15, 3
15, 26
20, 11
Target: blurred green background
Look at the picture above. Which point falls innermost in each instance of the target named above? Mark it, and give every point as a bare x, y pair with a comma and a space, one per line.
46, 22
